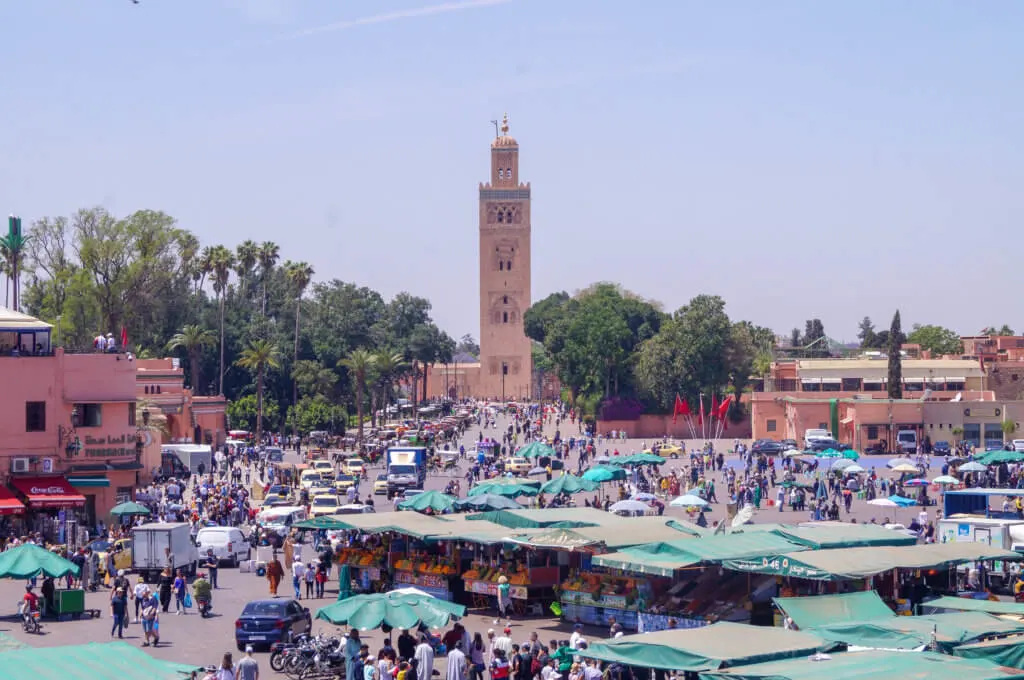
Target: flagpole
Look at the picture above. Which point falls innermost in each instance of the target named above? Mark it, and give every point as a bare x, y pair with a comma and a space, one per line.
703, 420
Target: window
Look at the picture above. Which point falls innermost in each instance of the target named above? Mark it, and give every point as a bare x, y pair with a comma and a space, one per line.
508, 265
851, 384
147, 389
508, 173
90, 415
501, 217
35, 416
131, 414
501, 265
872, 431
501, 173
504, 300
822, 426
771, 426
159, 389
504, 317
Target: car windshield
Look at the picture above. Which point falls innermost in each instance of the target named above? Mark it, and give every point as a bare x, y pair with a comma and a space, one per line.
382, 477
100, 546
403, 469
325, 501
264, 609
344, 478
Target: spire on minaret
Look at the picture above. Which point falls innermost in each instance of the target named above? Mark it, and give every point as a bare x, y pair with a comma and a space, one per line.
504, 125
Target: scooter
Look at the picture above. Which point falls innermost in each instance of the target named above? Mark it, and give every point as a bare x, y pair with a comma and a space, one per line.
204, 606
29, 619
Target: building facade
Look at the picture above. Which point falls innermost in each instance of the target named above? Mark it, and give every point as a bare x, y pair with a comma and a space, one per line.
505, 367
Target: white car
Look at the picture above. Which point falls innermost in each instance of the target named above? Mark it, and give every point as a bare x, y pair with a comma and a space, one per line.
1018, 444
228, 544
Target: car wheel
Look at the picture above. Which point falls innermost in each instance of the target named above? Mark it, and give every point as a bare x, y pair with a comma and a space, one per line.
241, 646
675, 455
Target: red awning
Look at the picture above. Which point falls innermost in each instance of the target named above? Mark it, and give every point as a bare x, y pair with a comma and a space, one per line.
48, 492
9, 505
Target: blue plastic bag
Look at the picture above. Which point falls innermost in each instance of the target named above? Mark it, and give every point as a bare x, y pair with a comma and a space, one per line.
188, 600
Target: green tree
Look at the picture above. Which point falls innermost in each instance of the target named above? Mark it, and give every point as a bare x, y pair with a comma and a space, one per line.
246, 256
469, 345
269, 254
244, 413
258, 358
313, 378
388, 367
316, 413
541, 317
936, 339
895, 358
866, 333
13, 252
221, 262
299, 275
1001, 331
360, 365
1009, 426
193, 339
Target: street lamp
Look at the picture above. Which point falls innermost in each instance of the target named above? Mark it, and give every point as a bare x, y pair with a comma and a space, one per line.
504, 372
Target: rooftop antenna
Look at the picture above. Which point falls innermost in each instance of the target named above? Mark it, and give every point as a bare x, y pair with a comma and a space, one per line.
495, 123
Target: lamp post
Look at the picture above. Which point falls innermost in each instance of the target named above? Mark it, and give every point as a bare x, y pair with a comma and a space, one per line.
67, 437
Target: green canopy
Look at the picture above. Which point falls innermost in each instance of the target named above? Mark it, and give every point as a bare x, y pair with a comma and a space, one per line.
404, 608
850, 454
789, 484
535, 450
819, 536
28, 560
344, 583
873, 665
969, 604
993, 457
565, 539
828, 453
706, 648
128, 509
93, 661
568, 483
327, 522
506, 490
432, 500
654, 558
604, 473
539, 518
1007, 652
486, 502
909, 632
819, 610
641, 458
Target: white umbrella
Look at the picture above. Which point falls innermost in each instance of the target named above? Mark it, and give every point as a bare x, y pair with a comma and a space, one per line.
946, 479
853, 469
899, 461
905, 467
643, 497
629, 506
689, 500
883, 503
973, 466
842, 463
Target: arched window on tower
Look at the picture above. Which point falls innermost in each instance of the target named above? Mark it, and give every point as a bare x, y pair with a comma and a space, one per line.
504, 317
508, 265
504, 299
508, 173
508, 216
501, 265
501, 173
501, 216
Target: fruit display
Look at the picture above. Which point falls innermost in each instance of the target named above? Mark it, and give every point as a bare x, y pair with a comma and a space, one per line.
427, 564
482, 572
361, 557
596, 585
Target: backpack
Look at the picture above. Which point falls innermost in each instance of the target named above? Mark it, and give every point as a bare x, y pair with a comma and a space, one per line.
535, 666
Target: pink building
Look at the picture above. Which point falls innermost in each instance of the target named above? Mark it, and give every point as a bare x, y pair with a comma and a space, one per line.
68, 450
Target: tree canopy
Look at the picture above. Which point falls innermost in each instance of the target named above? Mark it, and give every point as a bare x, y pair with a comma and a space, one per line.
936, 339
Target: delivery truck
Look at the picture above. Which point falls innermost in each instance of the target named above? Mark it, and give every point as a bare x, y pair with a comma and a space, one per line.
407, 469
160, 545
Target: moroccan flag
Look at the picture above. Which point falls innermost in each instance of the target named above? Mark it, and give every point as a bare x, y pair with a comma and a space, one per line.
124, 338
681, 408
723, 409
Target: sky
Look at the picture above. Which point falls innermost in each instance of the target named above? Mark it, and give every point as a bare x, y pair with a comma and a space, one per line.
800, 159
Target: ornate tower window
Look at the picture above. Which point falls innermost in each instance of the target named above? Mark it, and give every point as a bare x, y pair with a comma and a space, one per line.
501, 173
501, 265
508, 265
504, 317
504, 300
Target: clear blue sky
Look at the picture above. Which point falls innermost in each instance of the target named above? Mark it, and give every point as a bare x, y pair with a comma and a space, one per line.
801, 159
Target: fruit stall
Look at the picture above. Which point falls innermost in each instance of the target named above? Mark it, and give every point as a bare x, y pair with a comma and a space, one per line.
431, 573
368, 566
481, 581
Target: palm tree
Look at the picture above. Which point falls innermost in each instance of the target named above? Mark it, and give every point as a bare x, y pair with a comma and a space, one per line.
258, 357
299, 274
222, 262
193, 339
13, 249
359, 363
246, 254
389, 366
268, 255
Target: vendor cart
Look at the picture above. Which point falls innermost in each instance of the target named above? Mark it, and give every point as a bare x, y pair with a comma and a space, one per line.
71, 604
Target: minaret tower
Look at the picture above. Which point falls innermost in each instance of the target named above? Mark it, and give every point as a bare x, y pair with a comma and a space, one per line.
506, 364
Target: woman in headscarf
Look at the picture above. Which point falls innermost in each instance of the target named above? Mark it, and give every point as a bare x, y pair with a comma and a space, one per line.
274, 573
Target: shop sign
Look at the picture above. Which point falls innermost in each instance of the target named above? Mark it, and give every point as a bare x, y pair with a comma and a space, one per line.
650, 623
579, 597
489, 588
110, 446
424, 580
53, 490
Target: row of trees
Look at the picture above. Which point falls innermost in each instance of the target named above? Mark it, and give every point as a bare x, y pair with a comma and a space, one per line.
258, 330
614, 351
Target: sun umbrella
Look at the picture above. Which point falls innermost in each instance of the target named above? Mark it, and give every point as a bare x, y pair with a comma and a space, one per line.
829, 453
916, 482
535, 450
851, 454
973, 466
570, 484
893, 462
322, 522
853, 469
603, 460
432, 500
398, 610
946, 479
793, 453
883, 503
128, 509
643, 496
486, 502
842, 463
901, 501
689, 500
604, 473
642, 458
344, 582
507, 490
905, 467
537, 471
629, 506
26, 561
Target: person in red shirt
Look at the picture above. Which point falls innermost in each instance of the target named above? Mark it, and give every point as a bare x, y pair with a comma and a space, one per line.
31, 600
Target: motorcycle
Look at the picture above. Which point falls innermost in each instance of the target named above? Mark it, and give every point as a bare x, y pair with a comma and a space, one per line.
205, 607
29, 619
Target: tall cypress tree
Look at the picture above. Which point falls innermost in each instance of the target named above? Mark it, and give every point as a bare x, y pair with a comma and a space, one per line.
895, 358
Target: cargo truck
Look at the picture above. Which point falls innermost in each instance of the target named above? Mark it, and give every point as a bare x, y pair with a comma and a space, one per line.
160, 545
407, 469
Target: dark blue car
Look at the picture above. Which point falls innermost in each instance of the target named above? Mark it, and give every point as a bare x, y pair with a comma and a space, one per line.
264, 622
941, 448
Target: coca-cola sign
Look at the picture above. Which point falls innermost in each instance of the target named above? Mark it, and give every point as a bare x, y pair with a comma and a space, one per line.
46, 490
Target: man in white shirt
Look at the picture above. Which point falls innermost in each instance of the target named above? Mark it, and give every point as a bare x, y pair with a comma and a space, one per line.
577, 636
504, 643
298, 576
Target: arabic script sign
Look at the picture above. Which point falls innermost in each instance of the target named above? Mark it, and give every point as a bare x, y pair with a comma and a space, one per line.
46, 490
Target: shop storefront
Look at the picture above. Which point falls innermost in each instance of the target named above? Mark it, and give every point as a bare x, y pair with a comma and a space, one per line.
53, 507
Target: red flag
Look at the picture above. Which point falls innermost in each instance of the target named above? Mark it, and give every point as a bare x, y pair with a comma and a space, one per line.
124, 337
723, 409
681, 408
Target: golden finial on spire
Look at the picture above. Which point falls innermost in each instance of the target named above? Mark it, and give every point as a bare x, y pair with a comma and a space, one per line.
504, 125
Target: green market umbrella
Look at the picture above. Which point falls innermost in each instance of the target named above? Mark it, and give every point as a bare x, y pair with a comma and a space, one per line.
28, 560
326, 522
828, 453
640, 459
128, 509
570, 484
487, 502
850, 454
507, 490
405, 609
604, 473
432, 500
344, 583
535, 450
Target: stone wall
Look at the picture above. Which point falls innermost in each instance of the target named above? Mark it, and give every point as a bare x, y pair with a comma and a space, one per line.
650, 426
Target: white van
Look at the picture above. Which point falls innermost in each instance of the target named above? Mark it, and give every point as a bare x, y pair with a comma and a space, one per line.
906, 441
228, 544
281, 518
815, 433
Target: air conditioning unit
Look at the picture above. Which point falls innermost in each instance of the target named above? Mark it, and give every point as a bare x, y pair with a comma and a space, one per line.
19, 465
47, 464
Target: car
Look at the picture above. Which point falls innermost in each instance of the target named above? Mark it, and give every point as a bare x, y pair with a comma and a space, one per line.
228, 544
790, 445
282, 489
264, 622
1018, 444
354, 509
669, 451
768, 447
518, 466
122, 549
824, 445
343, 482
272, 499
943, 448
353, 466
309, 478
324, 504
812, 434
274, 454
380, 485
325, 468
